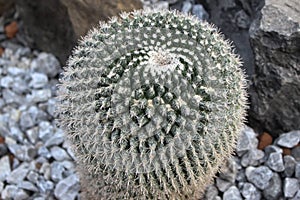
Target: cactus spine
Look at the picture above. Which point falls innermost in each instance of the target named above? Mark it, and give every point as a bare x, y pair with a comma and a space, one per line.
153, 103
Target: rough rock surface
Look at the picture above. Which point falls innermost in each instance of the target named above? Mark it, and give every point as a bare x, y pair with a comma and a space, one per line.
56, 25
275, 91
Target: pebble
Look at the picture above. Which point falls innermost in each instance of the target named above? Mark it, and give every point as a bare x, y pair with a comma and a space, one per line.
246, 141
67, 189
4, 168
222, 184
186, 7
232, 194
211, 192
161, 5
39, 80
290, 187
250, 192
289, 165
59, 154
47, 64
57, 170
296, 153
26, 185
26, 120
45, 130
6, 81
252, 158
275, 162
200, 12
229, 171
39, 95
1, 186
56, 139
289, 139
3, 150
17, 175
274, 190
22, 152
259, 176
32, 134
297, 171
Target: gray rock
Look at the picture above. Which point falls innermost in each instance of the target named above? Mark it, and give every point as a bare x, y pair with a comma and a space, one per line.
241, 177
4, 168
3, 150
271, 149
1, 186
44, 185
296, 153
20, 86
6, 81
229, 171
37, 114
43, 151
26, 120
249, 191
45, 170
39, 95
16, 71
56, 139
17, 175
47, 64
11, 97
22, 152
289, 165
26, 185
68, 188
246, 141
275, 39
59, 154
33, 176
16, 133
38, 80
242, 20
211, 192
252, 158
290, 187
200, 12
161, 5
45, 130
297, 170
232, 194
274, 190
297, 196
51, 107
57, 170
9, 192
186, 7
222, 184
289, 140
32, 134
259, 176
275, 162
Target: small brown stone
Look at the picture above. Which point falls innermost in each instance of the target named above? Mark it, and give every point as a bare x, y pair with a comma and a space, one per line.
286, 151
38, 165
265, 139
2, 140
11, 29
1, 51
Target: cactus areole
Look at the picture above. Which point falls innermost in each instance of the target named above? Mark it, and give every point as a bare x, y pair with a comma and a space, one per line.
152, 102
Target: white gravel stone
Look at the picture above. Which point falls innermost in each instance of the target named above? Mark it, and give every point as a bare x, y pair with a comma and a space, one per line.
39, 95
59, 154
289, 139
68, 188
17, 175
6, 81
4, 168
27, 186
1, 186
259, 176
290, 187
275, 162
246, 141
250, 192
232, 194
38, 80
47, 64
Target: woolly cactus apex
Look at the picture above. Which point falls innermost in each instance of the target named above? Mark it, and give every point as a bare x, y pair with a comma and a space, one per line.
153, 103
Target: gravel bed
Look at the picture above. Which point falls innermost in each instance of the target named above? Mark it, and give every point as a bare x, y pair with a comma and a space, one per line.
36, 161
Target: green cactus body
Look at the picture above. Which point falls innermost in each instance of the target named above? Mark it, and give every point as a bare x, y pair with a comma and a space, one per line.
153, 103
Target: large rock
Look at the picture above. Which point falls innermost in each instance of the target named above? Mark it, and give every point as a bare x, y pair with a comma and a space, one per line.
56, 25
234, 17
275, 89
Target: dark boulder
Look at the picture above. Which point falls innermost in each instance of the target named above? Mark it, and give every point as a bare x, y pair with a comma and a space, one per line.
275, 88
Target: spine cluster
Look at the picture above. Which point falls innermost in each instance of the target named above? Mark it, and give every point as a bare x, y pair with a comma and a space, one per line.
153, 103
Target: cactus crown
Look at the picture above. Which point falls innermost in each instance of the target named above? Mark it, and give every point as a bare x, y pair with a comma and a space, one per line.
153, 102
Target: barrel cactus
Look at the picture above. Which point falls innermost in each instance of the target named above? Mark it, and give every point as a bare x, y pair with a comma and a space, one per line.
153, 102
